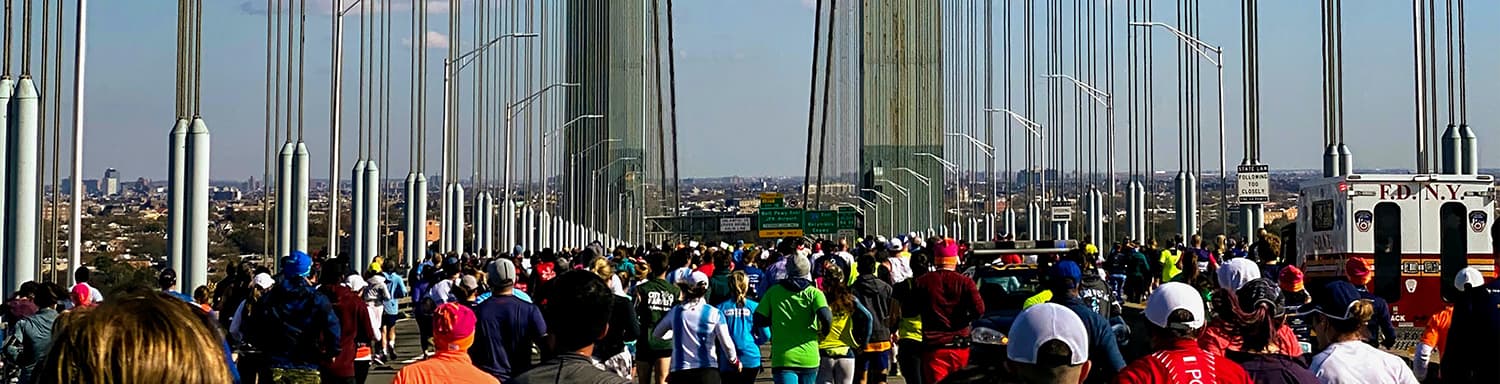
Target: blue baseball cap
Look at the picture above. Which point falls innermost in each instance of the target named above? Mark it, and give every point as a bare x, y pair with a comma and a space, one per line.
1334, 301
1067, 269
299, 264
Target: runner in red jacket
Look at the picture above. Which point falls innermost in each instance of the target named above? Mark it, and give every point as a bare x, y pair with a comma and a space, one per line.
1175, 312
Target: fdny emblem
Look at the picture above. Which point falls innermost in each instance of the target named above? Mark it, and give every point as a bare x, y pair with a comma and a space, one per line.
1478, 220
1363, 220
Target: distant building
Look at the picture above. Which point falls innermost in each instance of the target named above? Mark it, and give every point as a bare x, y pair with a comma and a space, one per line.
224, 194
142, 186
110, 184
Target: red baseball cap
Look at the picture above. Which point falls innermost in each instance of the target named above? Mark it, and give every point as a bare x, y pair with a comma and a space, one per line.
1357, 270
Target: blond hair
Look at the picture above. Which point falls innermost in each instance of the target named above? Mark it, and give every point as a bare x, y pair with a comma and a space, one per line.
602, 268
146, 338
739, 284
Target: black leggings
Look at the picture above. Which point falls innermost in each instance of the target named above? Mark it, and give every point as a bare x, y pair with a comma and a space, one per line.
695, 376
744, 376
424, 330
361, 370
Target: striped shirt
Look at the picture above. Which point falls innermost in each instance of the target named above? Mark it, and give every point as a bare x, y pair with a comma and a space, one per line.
698, 334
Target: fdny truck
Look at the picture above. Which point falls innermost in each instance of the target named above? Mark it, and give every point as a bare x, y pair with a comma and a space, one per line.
1417, 231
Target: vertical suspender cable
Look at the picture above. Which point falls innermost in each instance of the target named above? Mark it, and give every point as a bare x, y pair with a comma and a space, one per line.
812, 92
827, 86
42, 108
63, 275
1470, 144
80, 50
671, 72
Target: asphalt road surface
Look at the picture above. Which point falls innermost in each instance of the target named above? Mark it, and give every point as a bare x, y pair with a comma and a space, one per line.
407, 347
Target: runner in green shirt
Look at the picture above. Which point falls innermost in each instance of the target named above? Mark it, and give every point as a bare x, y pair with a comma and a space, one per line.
798, 315
653, 299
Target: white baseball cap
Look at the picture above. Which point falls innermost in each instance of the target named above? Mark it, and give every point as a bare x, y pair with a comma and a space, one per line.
1171, 297
694, 278
1468, 277
1043, 323
1236, 273
263, 280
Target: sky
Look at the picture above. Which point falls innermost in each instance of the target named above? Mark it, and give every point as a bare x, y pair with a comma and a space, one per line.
743, 68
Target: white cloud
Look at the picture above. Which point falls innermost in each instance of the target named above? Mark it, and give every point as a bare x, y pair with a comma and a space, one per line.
810, 4
437, 39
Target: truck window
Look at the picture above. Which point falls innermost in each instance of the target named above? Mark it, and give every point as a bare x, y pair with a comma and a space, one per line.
1322, 215
1388, 251
1454, 248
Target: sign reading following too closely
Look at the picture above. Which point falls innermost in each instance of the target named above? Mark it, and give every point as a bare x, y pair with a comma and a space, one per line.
1253, 182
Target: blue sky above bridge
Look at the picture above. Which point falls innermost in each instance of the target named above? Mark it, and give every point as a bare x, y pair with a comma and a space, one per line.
743, 78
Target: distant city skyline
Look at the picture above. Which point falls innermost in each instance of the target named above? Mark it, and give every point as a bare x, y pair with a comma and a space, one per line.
742, 78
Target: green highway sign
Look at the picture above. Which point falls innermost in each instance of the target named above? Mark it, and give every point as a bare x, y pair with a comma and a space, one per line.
822, 222
772, 200
780, 222
847, 218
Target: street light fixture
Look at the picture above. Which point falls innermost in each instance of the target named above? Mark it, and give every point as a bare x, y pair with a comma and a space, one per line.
594, 178
1204, 49
888, 201
926, 181
542, 218
877, 212
511, 110
950, 166
1108, 102
573, 204
906, 193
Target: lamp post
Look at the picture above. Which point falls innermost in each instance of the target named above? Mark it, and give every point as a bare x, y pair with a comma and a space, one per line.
573, 204
888, 201
452, 219
877, 213
1035, 131
989, 153
542, 217
906, 193
1107, 101
510, 127
926, 181
593, 179
1214, 55
1032, 219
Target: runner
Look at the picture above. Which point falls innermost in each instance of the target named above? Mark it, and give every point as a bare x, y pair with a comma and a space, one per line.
1340, 316
122, 341
29, 339
909, 348
1261, 344
579, 303
167, 281
849, 332
624, 326
453, 334
951, 302
1382, 331
1175, 313
873, 359
1476, 316
506, 326
391, 308
798, 315
354, 321
1049, 345
1104, 346
83, 294
739, 317
295, 324
252, 361
653, 299
698, 334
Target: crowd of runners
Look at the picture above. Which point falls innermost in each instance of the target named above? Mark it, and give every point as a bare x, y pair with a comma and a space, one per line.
927, 310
